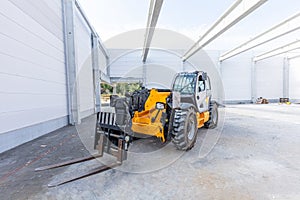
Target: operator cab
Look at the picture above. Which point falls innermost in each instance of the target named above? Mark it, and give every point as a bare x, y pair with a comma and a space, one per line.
194, 88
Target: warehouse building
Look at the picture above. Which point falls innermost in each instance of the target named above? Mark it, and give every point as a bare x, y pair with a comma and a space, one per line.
52, 58
53, 61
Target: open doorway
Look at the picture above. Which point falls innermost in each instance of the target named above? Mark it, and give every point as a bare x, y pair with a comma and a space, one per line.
119, 89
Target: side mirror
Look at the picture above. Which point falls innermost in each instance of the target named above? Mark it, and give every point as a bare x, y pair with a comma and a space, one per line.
160, 106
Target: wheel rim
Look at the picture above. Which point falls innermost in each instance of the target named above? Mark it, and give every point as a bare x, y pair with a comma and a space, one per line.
214, 116
191, 128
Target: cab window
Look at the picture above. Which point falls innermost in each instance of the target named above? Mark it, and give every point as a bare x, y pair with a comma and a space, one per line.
201, 84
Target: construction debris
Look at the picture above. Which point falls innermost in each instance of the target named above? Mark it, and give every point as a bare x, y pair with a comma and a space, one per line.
261, 100
284, 100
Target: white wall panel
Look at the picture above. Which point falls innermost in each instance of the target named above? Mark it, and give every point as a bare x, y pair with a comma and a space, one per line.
83, 45
236, 76
234, 73
269, 78
102, 61
161, 68
32, 69
55, 6
126, 63
294, 83
33, 85
40, 12
27, 39
21, 19
162, 65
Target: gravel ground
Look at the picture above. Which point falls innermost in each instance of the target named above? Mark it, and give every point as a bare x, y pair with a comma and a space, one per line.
254, 154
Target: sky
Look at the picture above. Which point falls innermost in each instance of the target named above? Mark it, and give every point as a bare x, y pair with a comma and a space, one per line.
191, 18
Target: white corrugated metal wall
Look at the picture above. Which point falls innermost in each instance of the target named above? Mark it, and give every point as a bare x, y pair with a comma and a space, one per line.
33, 83
235, 73
125, 63
161, 67
269, 78
32, 73
84, 64
294, 82
236, 77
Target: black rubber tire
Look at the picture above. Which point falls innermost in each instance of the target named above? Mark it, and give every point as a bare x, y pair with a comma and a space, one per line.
185, 129
213, 116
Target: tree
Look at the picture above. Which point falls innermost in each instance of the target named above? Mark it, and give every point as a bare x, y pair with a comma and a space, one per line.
106, 89
121, 88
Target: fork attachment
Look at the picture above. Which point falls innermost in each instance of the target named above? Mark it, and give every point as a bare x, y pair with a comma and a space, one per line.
109, 138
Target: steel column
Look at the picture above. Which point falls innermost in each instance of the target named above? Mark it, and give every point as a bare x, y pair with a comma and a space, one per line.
96, 72
253, 82
286, 77
70, 60
219, 66
108, 66
144, 74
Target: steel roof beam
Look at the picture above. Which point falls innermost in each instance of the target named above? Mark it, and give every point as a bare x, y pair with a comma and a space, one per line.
283, 49
291, 57
236, 12
287, 26
101, 45
154, 11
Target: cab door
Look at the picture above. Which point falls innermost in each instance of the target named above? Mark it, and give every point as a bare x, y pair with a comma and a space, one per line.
202, 98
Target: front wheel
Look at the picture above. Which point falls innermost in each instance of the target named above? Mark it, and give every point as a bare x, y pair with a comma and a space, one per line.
184, 129
213, 116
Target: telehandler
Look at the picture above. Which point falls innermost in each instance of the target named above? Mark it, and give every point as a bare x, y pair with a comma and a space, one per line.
169, 114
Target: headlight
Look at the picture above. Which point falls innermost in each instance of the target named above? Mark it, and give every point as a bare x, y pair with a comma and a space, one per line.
160, 106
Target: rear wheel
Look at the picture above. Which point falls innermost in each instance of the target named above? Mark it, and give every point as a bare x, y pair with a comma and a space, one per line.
184, 129
213, 116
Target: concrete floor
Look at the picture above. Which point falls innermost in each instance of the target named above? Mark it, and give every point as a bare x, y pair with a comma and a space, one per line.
254, 155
